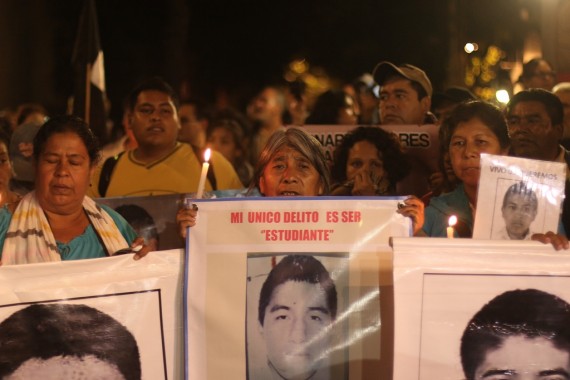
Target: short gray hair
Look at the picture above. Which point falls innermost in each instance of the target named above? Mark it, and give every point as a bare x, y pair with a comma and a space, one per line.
302, 142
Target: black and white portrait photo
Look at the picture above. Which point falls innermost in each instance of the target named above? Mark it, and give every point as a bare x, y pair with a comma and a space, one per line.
518, 197
519, 209
114, 337
66, 341
293, 306
495, 327
519, 334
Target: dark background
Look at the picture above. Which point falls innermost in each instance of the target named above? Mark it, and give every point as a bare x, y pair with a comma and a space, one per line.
205, 48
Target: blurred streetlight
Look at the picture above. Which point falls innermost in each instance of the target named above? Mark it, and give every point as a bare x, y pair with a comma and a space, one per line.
502, 96
470, 47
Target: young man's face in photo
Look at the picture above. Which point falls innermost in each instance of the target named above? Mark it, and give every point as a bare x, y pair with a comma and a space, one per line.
522, 358
295, 329
519, 212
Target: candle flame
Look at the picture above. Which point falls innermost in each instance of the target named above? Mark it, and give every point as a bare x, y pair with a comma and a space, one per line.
207, 154
452, 220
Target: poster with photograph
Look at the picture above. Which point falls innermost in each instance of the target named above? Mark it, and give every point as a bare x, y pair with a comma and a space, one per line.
114, 317
459, 317
302, 275
153, 217
522, 197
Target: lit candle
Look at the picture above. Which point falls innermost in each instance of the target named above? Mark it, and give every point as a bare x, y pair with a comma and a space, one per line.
452, 221
205, 167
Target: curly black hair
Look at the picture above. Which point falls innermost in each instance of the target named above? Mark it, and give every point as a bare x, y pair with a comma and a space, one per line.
390, 152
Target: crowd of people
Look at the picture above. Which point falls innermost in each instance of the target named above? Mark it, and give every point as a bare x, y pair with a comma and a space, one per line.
52, 171
51, 167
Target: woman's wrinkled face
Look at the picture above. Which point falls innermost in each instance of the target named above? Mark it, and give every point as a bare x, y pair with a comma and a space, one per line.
290, 173
63, 173
364, 158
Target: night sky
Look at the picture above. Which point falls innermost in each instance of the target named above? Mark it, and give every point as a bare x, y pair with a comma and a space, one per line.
235, 45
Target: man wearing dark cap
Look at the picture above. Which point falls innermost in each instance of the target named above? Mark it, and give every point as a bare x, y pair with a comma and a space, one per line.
405, 94
405, 99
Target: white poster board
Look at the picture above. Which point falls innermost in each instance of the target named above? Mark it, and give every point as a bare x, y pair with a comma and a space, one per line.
237, 246
440, 284
521, 197
75, 308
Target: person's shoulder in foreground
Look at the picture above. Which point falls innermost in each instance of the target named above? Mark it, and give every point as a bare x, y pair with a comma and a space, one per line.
84, 246
5, 218
124, 227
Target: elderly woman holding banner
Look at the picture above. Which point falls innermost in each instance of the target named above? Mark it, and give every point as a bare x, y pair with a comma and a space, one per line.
291, 164
58, 221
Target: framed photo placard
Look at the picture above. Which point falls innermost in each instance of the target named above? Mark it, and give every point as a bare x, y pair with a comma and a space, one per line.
451, 293
289, 288
113, 317
518, 197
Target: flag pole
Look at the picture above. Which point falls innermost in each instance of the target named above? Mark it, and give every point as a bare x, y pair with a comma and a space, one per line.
87, 93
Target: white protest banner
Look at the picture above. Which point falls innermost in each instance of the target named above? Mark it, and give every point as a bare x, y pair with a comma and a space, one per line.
105, 316
441, 287
289, 287
522, 197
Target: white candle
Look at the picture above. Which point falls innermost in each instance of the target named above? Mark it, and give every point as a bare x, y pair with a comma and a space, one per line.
451, 222
205, 167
